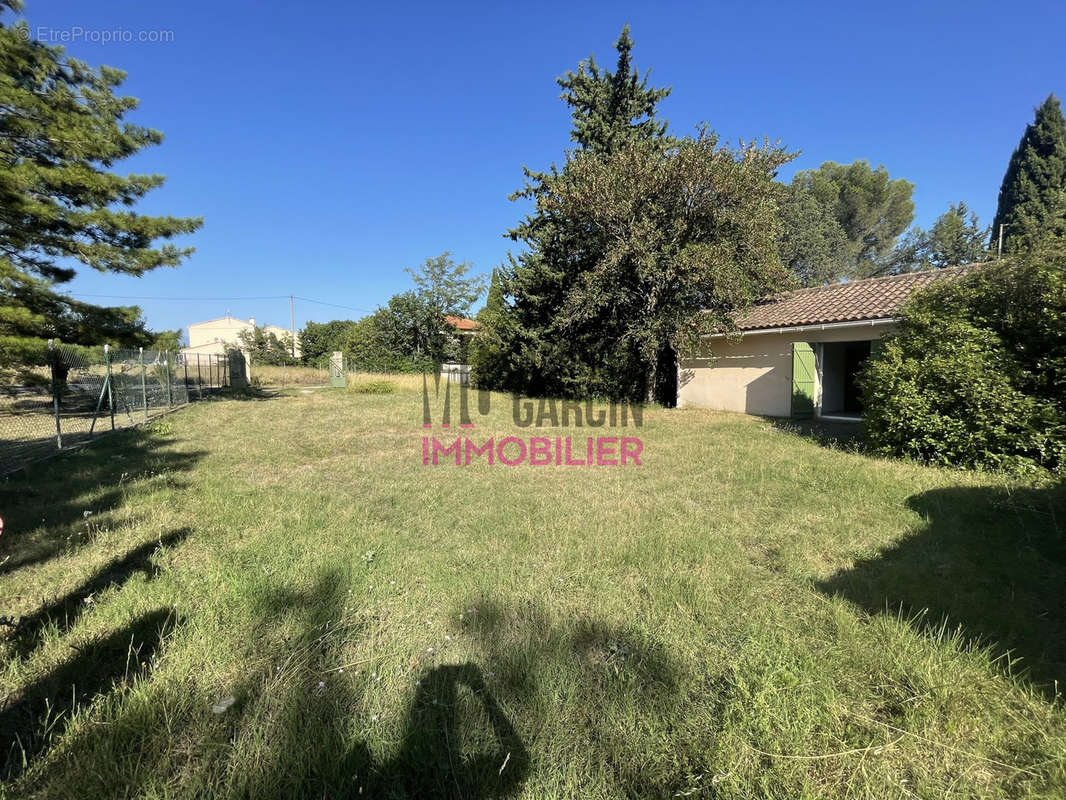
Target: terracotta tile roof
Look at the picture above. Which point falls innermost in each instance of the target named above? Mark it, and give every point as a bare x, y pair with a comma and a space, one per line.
461, 323
853, 301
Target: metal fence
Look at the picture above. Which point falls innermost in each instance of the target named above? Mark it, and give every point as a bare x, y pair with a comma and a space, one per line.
82, 393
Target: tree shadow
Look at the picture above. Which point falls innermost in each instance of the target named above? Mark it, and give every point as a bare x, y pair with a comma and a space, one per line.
64, 611
42, 503
989, 561
834, 435
35, 716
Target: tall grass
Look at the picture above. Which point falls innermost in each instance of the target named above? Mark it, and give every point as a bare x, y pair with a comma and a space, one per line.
274, 598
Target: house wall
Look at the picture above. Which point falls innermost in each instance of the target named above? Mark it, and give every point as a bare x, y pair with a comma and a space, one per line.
754, 375
215, 335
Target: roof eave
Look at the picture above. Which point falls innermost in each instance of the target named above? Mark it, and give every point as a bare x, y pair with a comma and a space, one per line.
818, 326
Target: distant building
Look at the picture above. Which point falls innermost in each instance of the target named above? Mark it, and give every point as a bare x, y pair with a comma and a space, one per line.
216, 336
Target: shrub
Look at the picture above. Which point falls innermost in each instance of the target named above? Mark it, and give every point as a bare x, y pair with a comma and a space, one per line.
976, 374
363, 386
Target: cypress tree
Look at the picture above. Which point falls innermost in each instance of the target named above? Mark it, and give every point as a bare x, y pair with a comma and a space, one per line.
610, 110
1032, 198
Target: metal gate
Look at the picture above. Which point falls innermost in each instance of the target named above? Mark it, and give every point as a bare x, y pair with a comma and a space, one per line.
337, 377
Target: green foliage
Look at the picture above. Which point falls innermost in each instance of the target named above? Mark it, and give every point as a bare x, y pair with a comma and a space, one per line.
1032, 197
360, 386
445, 286
813, 244
976, 374
490, 348
266, 347
319, 339
62, 129
871, 209
956, 238
612, 110
166, 340
629, 241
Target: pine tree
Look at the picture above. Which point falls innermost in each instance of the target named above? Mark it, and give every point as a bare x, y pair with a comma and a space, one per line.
1032, 198
61, 130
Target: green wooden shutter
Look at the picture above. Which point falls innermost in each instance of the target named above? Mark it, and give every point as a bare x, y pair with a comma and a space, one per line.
802, 380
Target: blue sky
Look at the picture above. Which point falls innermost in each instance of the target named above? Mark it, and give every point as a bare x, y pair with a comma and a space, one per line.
331, 146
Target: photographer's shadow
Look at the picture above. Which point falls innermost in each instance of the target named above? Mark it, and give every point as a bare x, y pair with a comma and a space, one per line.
456, 744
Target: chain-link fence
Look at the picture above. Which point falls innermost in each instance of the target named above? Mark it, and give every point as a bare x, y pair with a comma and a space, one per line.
83, 392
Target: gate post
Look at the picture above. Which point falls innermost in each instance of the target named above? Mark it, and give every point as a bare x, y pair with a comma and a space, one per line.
170, 381
110, 394
53, 363
144, 386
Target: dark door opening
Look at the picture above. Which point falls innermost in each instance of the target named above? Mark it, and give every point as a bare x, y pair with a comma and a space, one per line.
840, 367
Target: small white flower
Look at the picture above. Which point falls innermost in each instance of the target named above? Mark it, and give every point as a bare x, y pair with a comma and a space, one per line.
340, 671
376, 717
321, 684
85, 514
447, 638
429, 649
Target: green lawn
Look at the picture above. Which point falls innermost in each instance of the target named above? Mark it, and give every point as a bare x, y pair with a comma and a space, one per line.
748, 614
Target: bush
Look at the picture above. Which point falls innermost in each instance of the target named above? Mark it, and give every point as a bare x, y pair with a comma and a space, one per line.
363, 386
976, 374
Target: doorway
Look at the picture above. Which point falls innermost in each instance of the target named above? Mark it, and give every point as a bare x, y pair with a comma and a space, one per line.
839, 367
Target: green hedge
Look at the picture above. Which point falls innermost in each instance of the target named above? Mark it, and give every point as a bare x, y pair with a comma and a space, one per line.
976, 374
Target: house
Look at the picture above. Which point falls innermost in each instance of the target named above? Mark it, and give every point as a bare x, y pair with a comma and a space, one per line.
799, 352
217, 336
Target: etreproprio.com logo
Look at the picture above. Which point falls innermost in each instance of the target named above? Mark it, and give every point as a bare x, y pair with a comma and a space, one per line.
535, 451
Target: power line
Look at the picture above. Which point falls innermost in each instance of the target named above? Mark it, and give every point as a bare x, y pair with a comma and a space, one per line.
161, 297
335, 305
259, 297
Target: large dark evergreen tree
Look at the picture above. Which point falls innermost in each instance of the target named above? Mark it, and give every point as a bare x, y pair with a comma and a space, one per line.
62, 129
610, 110
1032, 198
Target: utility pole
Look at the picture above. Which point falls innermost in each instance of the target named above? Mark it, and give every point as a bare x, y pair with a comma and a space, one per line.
999, 253
292, 323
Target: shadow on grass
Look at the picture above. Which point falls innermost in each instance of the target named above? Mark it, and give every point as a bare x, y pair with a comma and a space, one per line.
31, 719
850, 436
451, 712
608, 681
990, 562
64, 611
41, 504
248, 393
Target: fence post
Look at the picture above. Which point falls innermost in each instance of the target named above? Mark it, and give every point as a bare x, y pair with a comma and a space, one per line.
185, 366
170, 382
52, 362
109, 379
144, 386
199, 378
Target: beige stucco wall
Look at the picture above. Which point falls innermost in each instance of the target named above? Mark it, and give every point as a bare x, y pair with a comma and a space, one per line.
215, 335
754, 375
